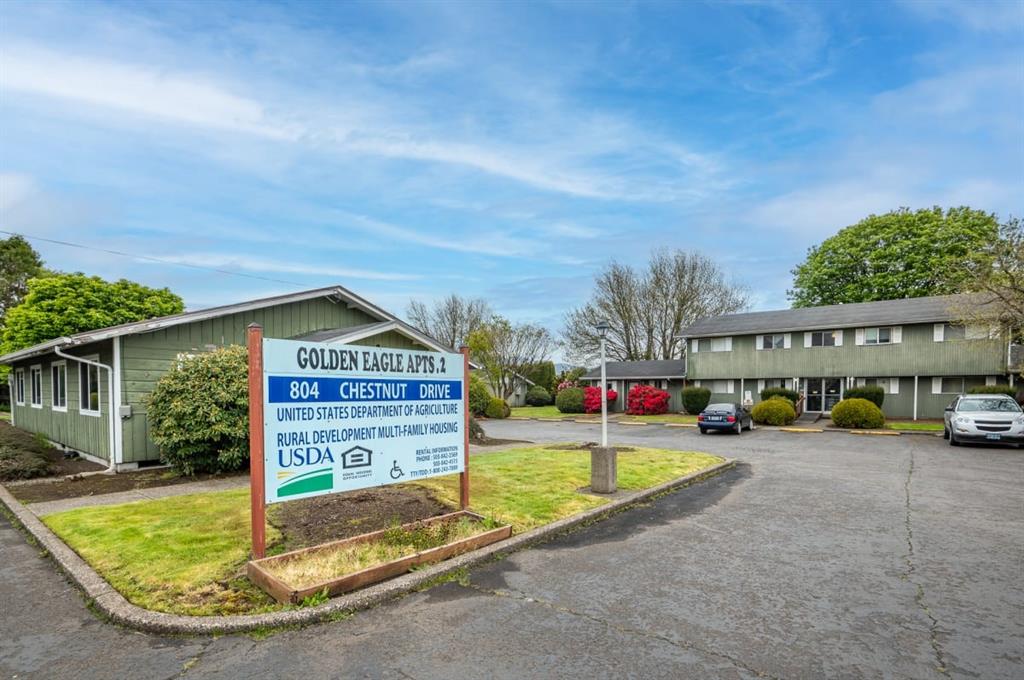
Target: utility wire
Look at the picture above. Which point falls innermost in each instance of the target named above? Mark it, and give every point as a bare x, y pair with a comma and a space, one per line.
150, 258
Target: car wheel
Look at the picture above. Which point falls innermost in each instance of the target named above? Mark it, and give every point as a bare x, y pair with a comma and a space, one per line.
739, 426
703, 430
945, 433
952, 439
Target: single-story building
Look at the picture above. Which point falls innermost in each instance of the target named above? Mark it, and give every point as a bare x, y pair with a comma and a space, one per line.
87, 392
621, 376
521, 386
915, 349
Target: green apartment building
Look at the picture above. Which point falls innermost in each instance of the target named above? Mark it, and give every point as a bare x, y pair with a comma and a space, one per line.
913, 348
87, 392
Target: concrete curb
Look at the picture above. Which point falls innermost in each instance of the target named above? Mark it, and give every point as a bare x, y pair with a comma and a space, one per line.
113, 605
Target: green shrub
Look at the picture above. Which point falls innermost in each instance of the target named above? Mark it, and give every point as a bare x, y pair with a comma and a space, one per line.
570, 400
777, 410
538, 396
695, 399
497, 408
994, 389
479, 396
857, 413
769, 392
873, 393
198, 412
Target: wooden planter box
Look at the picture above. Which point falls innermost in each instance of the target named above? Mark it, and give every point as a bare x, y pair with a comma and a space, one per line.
285, 593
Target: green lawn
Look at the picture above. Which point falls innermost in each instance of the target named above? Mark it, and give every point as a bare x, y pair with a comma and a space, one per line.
917, 425
187, 554
533, 486
663, 418
542, 412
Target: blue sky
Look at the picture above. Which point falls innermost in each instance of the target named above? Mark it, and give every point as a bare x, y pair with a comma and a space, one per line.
501, 150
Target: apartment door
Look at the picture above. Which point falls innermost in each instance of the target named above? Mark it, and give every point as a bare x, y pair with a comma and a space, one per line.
822, 394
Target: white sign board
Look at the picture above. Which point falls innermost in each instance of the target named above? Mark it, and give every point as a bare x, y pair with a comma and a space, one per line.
343, 417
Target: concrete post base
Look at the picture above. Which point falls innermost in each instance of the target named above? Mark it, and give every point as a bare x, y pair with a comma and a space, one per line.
604, 470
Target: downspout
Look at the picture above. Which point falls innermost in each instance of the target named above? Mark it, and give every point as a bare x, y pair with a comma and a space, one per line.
10, 391
111, 454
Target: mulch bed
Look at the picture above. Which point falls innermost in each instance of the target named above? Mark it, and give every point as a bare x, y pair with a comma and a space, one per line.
23, 455
312, 521
95, 485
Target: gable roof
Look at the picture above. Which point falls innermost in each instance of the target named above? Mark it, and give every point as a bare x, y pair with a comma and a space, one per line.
337, 293
639, 370
885, 312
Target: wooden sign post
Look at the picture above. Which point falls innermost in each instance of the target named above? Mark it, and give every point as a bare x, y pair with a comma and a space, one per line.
257, 488
464, 475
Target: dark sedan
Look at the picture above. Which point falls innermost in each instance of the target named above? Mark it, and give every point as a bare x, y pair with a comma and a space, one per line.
730, 417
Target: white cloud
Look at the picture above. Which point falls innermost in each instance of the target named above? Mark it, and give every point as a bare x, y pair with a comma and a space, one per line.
567, 154
266, 264
178, 97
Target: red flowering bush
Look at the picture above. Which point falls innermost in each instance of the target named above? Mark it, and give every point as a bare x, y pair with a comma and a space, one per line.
644, 400
592, 399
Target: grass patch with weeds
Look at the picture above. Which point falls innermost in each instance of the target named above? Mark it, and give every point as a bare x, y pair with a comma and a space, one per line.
187, 554
532, 486
914, 425
542, 412
395, 543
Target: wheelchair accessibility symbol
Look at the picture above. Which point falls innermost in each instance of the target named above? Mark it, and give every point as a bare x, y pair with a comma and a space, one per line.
396, 471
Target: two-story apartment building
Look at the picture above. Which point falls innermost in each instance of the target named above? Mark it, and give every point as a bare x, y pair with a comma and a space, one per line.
913, 348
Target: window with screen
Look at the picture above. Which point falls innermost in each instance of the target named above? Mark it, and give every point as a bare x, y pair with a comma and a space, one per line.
59, 386
89, 388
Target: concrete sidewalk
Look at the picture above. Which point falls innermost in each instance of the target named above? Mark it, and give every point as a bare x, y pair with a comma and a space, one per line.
50, 507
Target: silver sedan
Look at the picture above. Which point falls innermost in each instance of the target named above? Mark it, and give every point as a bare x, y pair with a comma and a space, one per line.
991, 418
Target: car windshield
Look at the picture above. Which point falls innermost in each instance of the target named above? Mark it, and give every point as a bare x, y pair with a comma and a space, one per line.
720, 407
989, 404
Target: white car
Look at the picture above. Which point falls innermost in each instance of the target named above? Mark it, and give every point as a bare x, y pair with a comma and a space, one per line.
992, 418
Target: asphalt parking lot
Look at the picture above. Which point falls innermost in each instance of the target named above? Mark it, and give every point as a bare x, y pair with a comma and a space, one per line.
821, 555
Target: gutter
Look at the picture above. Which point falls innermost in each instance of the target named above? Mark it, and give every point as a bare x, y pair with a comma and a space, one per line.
112, 455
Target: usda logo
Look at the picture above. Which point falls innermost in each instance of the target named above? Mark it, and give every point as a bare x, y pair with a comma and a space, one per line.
295, 483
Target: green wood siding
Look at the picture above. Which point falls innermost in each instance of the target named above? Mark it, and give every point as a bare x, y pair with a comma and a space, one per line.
146, 357
86, 433
917, 354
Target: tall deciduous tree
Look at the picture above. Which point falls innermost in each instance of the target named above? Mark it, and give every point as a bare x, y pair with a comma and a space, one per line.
996, 275
63, 304
19, 262
901, 254
647, 309
451, 320
507, 351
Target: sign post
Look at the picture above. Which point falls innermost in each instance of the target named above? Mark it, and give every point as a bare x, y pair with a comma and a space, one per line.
257, 486
464, 475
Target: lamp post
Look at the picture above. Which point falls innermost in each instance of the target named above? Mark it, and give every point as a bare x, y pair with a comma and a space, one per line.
602, 329
603, 464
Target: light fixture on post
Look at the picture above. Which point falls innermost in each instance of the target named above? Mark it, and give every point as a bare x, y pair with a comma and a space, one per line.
603, 463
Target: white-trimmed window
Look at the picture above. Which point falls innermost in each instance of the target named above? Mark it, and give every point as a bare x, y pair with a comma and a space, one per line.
947, 385
35, 380
719, 386
823, 338
721, 344
878, 336
59, 386
19, 387
89, 388
776, 341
